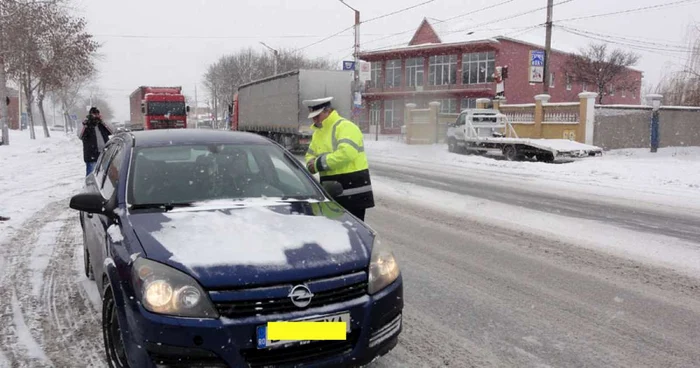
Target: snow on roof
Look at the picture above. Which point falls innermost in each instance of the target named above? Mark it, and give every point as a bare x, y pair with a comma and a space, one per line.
254, 235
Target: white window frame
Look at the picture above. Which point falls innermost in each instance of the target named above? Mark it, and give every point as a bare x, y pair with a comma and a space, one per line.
376, 73
415, 71
393, 73
442, 70
483, 62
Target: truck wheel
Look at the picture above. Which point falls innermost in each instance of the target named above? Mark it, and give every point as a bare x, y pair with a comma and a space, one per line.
545, 157
452, 145
510, 153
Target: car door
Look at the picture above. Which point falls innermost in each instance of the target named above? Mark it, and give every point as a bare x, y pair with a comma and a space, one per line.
107, 179
459, 127
93, 184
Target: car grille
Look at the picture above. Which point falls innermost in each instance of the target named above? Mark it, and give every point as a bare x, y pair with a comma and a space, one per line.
165, 356
298, 354
247, 308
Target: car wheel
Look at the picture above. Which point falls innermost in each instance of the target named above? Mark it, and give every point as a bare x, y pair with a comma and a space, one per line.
510, 153
111, 333
452, 145
86, 260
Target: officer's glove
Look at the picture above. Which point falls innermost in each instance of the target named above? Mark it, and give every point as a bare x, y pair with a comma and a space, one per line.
311, 166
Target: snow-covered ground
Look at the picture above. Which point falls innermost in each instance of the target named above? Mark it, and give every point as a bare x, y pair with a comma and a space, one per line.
668, 178
34, 173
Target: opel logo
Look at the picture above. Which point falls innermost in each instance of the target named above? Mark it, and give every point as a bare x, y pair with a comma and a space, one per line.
301, 296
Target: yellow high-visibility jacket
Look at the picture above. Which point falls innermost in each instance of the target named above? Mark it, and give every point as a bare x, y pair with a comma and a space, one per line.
338, 152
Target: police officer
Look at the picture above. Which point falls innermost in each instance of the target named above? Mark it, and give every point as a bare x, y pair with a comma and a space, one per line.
337, 153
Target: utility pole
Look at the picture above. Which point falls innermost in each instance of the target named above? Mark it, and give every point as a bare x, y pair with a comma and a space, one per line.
275, 53
548, 45
196, 104
356, 72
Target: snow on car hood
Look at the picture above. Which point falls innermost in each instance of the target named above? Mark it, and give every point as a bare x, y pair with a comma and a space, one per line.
256, 244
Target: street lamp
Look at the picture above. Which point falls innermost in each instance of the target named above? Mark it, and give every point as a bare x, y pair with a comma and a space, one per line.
275, 52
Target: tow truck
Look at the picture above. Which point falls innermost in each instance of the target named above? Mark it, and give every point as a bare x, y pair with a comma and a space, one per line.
484, 131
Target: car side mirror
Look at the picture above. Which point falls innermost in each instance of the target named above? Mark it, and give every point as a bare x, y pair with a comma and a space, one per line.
333, 188
91, 203
188, 109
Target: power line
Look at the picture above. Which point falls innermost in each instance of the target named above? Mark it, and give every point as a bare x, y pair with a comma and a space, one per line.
627, 44
513, 16
658, 6
326, 38
369, 20
627, 39
202, 37
398, 11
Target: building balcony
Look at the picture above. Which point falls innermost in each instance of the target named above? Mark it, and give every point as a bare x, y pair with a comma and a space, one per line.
465, 90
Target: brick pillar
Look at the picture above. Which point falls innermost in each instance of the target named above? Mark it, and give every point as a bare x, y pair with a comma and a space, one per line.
433, 119
540, 100
586, 120
481, 103
408, 121
498, 102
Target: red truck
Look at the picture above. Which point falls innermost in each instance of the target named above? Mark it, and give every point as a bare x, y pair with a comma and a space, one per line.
158, 108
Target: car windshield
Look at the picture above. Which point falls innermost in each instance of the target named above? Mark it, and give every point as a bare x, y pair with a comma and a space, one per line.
165, 108
193, 173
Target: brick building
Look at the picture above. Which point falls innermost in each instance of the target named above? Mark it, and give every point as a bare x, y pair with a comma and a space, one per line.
14, 109
458, 73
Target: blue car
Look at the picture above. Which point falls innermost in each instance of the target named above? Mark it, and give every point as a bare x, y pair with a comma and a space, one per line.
197, 239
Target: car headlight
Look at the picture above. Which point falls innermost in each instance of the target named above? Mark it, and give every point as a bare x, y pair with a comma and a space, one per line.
383, 269
165, 290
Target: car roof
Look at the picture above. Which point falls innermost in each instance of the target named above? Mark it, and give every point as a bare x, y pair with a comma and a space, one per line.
161, 137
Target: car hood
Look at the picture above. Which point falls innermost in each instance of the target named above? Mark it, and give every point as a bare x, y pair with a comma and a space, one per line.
257, 244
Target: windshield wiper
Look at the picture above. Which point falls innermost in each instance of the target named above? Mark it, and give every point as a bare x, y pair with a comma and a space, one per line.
164, 206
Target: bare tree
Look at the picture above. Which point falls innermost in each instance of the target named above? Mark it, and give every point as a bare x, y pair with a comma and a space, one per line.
223, 77
602, 68
67, 53
682, 87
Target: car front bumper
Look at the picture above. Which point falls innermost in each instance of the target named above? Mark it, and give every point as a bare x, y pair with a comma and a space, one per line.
158, 341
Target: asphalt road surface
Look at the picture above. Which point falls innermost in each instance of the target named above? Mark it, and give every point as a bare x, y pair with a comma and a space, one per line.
476, 295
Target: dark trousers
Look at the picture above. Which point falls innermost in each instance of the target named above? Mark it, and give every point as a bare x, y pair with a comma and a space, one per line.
358, 212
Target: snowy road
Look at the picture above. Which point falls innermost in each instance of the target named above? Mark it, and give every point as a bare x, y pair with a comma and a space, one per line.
647, 220
498, 270
484, 296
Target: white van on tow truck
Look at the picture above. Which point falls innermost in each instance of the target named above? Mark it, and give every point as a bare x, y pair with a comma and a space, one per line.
487, 130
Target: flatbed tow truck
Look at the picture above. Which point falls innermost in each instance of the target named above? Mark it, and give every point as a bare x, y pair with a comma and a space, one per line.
485, 131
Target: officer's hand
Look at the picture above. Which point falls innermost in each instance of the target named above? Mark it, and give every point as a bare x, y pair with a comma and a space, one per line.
311, 166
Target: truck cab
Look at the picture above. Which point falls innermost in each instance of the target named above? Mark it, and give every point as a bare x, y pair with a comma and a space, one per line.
158, 108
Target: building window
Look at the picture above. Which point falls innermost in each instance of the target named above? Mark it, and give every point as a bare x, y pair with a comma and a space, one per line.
624, 93
551, 80
414, 72
443, 70
375, 112
393, 114
478, 67
376, 73
612, 90
393, 73
448, 106
468, 103
568, 82
584, 86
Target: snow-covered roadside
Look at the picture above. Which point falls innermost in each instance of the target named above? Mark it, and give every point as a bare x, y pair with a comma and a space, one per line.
36, 172
669, 177
658, 250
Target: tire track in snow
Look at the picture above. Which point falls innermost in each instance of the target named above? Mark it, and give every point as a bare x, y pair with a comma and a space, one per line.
15, 325
71, 320
51, 321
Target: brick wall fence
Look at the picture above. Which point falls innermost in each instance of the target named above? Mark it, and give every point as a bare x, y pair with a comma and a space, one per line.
605, 126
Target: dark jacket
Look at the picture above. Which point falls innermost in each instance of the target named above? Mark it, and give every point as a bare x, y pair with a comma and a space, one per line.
88, 135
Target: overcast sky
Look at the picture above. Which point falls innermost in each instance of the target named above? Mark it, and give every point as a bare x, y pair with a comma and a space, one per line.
171, 42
